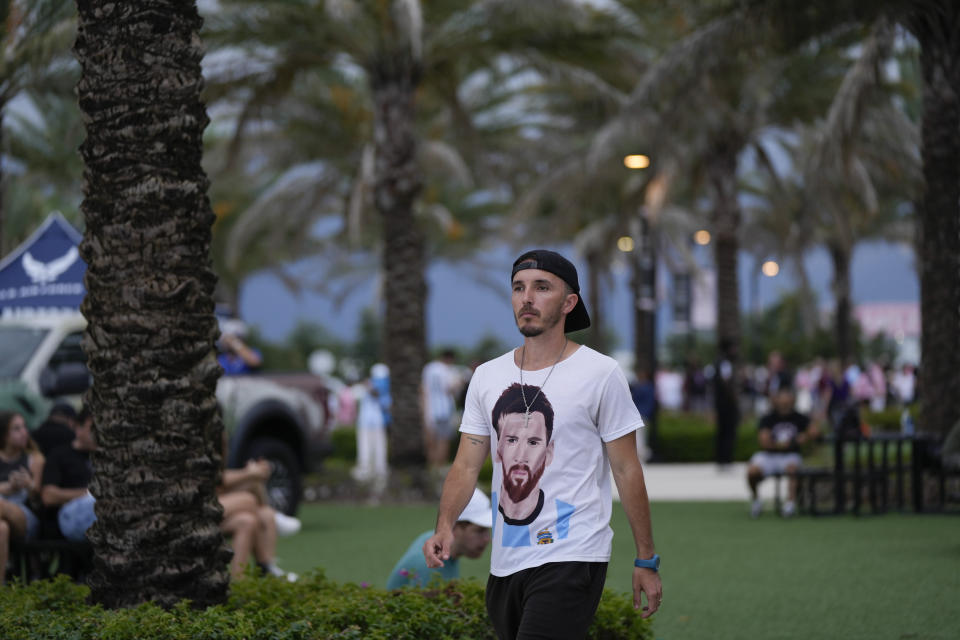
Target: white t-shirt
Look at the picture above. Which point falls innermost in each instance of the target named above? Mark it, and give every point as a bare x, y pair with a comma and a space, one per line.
565, 516
438, 385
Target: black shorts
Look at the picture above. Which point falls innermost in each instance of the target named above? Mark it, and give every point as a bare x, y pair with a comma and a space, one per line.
553, 601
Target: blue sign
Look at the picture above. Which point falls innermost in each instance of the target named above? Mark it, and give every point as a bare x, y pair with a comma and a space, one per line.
45, 273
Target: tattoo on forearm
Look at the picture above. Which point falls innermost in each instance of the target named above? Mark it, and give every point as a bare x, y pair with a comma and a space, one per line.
474, 440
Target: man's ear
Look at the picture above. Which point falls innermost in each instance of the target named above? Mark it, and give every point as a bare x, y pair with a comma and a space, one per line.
549, 454
570, 302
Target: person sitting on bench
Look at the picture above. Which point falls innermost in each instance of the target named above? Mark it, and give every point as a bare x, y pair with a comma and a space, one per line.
65, 478
781, 435
21, 466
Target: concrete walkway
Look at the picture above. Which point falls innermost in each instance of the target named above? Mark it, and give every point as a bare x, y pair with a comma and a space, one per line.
700, 482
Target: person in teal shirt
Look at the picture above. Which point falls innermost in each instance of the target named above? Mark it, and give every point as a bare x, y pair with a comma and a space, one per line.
471, 535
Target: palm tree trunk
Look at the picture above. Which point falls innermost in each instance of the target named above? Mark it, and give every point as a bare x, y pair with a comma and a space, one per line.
841, 256
595, 271
397, 184
808, 299
150, 340
722, 175
645, 301
938, 220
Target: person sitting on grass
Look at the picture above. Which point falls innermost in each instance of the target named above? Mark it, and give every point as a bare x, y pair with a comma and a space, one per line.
471, 535
253, 530
249, 519
21, 466
781, 433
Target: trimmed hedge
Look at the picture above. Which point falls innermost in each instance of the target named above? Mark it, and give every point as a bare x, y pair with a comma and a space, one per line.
683, 437
888, 419
268, 608
691, 437
344, 443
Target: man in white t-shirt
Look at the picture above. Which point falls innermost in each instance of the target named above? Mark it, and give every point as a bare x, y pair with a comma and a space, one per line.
557, 418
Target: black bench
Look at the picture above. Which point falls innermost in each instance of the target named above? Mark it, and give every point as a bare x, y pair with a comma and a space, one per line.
808, 479
40, 559
877, 474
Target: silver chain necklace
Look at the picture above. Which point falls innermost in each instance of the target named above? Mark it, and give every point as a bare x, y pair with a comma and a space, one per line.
523, 352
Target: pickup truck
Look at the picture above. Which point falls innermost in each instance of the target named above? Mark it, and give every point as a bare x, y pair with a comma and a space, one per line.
283, 418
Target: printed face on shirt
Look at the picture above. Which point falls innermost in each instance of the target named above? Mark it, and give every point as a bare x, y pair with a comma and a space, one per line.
524, 453
784, 432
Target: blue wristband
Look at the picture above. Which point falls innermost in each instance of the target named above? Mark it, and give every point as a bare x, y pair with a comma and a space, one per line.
652, 563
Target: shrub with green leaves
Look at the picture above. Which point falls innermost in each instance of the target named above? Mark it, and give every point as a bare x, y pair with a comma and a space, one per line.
691, 437
267, 608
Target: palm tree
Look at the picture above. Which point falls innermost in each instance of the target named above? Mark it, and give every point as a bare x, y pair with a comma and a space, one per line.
936, 25
665, 105
407, 54
151, 333
848, 176
863, 140
35, 37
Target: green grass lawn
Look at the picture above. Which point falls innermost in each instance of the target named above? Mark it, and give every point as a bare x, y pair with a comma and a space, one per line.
724, 575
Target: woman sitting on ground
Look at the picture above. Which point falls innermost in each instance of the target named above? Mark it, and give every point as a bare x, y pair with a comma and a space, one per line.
253, 531
250, 521
21, 468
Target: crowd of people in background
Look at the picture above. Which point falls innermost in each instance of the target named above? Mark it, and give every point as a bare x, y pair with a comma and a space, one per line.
822, 388
821, 385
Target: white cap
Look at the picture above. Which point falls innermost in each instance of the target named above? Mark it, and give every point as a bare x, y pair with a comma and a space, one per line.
233, 327
478, 510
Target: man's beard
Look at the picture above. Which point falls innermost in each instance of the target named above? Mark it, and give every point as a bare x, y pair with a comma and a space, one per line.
531, 332
549, 321
520, 490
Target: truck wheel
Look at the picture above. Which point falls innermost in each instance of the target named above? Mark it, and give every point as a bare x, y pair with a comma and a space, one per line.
285, 485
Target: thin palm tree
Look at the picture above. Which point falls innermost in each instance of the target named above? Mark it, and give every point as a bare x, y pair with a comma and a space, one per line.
864, 139
149, 305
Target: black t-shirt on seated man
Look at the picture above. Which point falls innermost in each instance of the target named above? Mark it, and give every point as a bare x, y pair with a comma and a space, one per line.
784, 428
68, 468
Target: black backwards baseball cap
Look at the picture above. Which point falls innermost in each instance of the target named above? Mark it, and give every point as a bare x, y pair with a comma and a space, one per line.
562, 268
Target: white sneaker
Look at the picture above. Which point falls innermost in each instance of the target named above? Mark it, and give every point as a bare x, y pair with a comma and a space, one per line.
756, 507
274, 570
789, 508
286, 525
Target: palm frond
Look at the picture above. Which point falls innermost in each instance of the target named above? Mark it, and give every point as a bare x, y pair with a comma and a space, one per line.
441, 159
693, 57
409, 18
283, 210
859, 86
